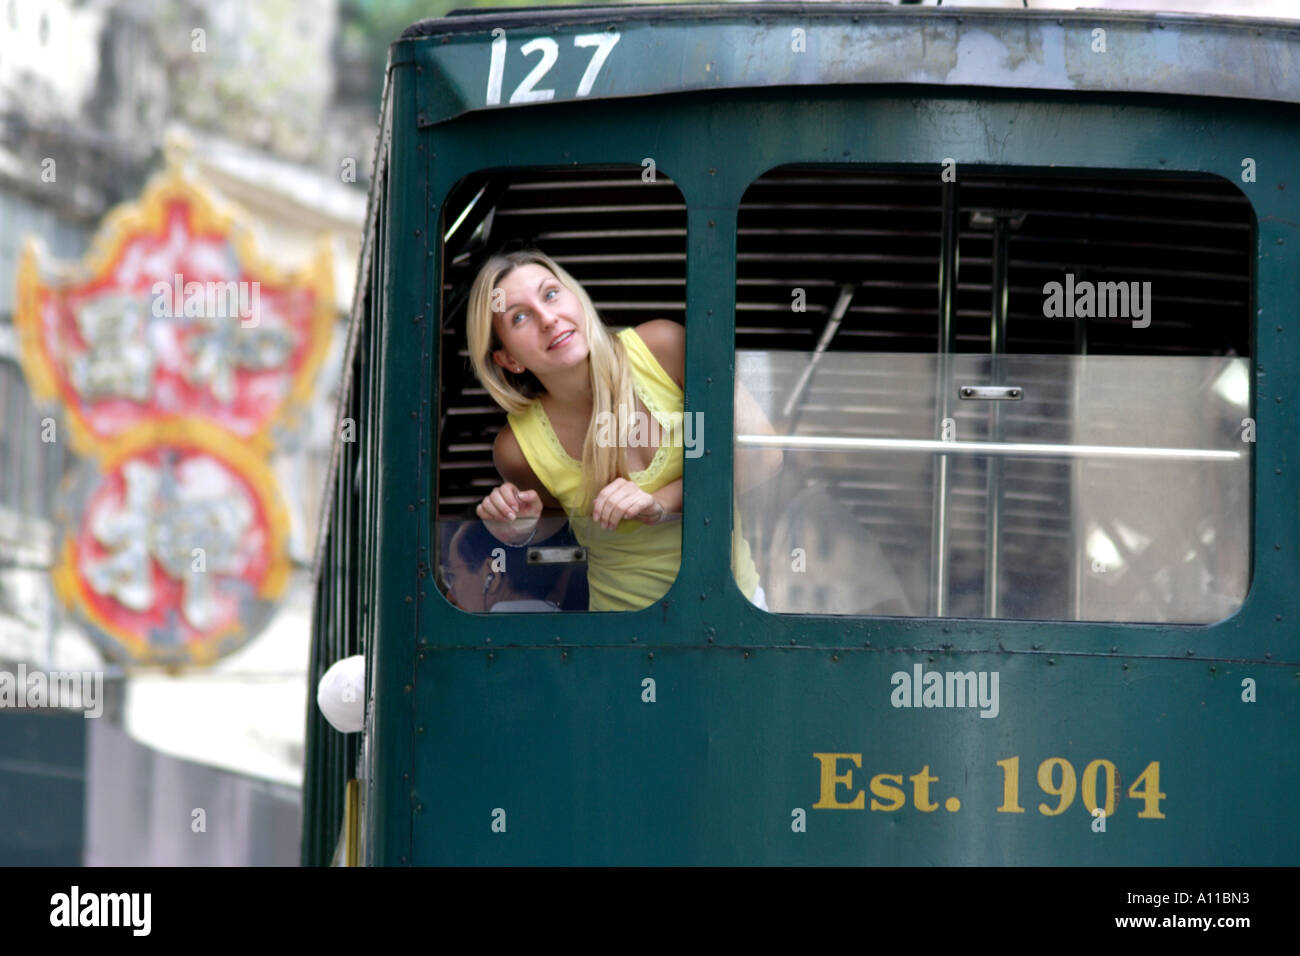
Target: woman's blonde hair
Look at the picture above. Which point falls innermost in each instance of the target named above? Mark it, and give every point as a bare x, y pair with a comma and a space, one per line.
611, 378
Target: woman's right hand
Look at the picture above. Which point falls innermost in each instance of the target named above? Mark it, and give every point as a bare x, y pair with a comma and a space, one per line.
509, 513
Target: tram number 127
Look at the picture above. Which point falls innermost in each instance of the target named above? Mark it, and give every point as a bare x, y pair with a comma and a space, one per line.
526, 91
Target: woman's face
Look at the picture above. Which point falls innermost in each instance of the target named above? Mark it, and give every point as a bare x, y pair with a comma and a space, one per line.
540, 327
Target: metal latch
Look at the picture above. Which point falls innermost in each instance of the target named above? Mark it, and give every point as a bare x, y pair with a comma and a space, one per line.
994, 393
557, 555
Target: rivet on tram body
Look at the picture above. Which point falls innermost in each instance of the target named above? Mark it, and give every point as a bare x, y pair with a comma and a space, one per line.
1268, 655
419, 808
407, 688
1125, 666
747, 658
420, 729
1213, 668
651, 655
1277, 617
835, 658
417, 232
1190, 652
706, 520
487, 640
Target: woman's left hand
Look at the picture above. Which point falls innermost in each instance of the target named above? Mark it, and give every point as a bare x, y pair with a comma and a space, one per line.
621, 499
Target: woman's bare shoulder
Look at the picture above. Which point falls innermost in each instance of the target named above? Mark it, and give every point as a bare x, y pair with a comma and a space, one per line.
666, 341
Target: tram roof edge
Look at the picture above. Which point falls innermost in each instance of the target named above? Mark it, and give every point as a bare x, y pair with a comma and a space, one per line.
700, 47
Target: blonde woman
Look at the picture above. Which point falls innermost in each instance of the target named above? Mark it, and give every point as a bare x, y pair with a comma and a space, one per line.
579, 399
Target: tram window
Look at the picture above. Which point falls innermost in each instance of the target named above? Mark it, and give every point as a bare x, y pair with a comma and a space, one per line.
1070, 440
622, 240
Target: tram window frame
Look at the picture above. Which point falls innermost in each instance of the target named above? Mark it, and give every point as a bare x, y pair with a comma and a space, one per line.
476, 223
961, 220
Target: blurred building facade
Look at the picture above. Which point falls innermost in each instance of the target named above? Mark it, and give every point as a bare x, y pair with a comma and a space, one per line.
270, 115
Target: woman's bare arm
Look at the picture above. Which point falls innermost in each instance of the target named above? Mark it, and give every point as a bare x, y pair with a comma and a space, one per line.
529, 524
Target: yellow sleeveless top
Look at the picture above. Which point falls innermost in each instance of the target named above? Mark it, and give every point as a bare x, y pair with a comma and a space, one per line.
633, 565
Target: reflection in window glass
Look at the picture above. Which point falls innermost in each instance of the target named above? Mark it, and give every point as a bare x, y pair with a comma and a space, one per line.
1114, 488
478, 573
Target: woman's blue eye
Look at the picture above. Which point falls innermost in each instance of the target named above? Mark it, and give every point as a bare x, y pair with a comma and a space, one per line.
550, 292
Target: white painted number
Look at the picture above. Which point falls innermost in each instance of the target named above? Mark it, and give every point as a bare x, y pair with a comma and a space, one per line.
603, 42
550, 53
498, 67
550, 50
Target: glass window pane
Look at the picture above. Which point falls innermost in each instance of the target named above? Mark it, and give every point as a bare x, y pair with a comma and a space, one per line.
1112, 488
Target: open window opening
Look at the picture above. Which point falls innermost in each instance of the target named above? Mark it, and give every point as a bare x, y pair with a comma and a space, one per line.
622, 237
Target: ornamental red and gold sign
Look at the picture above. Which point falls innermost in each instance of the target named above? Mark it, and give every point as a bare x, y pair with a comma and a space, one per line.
178, 359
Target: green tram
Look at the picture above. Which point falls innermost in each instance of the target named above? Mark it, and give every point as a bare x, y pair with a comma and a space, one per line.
1017, 293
